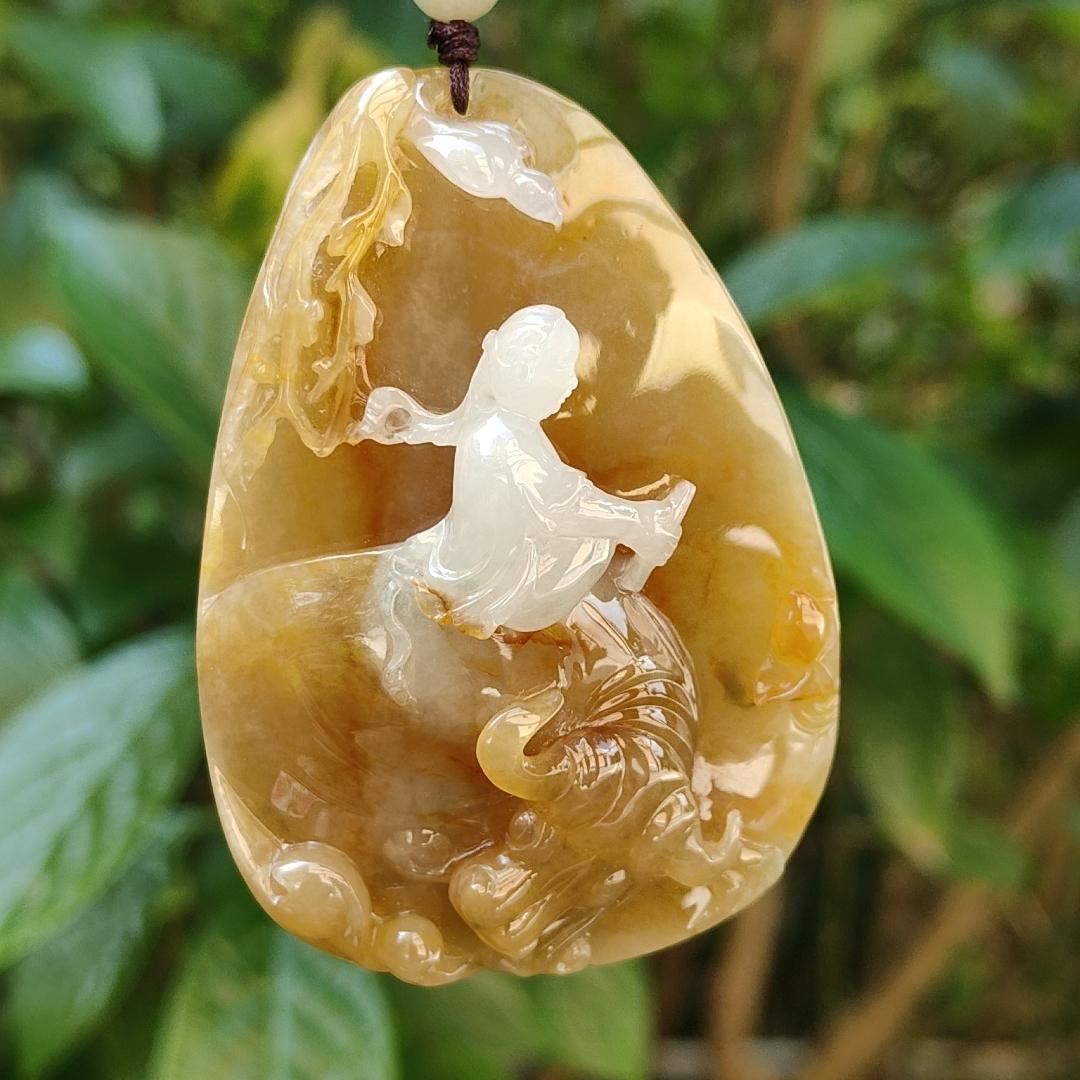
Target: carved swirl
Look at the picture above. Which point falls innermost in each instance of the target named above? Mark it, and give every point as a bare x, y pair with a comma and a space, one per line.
604, 765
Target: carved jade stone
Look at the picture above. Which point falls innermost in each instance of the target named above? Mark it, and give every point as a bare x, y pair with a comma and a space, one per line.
517, 633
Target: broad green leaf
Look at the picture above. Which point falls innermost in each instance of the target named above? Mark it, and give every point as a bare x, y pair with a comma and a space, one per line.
396, 28
158, 310
599, 1021
41, 361
94, 71
982, 90
39, 641
494, 1027
856, 33
902, 710
261, 161
912, 740
1036, 225
136, 87
913, 536
87, 768
1068, 540
214, 1021
63, 989
203, 95
782, 275
267, 149
137, 580
326, 1018
119, 451
484, 1028
254, 1003
35, 196
49, 535
1049, 570
1063, 21
981, 850
945, 7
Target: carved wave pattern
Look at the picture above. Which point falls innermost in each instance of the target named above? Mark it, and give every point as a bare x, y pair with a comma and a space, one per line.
608, 758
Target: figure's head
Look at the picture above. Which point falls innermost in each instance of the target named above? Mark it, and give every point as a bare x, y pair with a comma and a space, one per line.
528, 363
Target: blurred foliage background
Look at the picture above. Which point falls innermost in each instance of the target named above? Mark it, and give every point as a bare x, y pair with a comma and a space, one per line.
891, 189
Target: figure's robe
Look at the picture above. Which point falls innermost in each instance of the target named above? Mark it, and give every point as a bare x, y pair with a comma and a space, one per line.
527, 536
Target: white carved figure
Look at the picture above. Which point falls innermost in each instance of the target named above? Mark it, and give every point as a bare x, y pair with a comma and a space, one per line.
527, 536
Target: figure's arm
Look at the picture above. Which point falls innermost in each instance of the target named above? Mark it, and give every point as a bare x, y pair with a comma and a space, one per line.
667, 516
393, 416
611, 517
574, 505
565, 502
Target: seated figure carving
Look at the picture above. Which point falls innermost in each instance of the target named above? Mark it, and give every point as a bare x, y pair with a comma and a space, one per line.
527, 536
602, 749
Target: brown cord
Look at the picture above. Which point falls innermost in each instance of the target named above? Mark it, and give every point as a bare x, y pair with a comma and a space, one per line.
458, 44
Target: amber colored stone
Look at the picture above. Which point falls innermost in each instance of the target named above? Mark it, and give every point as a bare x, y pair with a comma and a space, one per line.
367, 821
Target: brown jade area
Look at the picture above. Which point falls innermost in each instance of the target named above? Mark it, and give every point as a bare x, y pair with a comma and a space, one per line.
368, 825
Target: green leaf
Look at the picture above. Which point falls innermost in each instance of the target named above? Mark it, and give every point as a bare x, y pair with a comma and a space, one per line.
982, 89
137, 88
254, 1002
599, 1021
266, 151
326, 1018
119, 451
50, 536
39, 640
41, 361
203, 95
1036, 225
783, 275
158, 310
1049, 570
397, 29
1067, 540
910, 737
34, 197
483, 1028
981, 850
945, 7
87, 768
913, 536
137, 581
63, 989
856, 33
912, 745
492, 1027
95, 72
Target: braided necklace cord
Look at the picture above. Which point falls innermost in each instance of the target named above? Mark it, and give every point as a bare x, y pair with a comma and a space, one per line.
458, 43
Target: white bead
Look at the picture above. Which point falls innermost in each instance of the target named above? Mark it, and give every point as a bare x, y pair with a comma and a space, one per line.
448, 10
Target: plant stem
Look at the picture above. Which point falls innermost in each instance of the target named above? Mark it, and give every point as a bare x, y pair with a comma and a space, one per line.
786, 175
740, 979
870, 1024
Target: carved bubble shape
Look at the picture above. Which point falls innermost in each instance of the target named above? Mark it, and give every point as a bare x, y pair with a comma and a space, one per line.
493, 676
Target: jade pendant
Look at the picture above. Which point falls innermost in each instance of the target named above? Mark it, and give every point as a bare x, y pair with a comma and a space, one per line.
517, 641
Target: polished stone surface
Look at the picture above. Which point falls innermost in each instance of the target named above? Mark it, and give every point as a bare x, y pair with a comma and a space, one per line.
429, 795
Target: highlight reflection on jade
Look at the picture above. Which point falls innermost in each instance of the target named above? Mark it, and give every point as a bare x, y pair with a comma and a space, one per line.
517, 635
